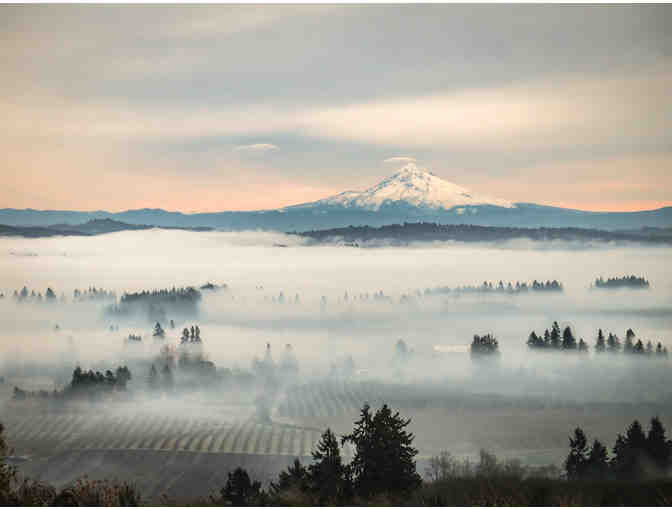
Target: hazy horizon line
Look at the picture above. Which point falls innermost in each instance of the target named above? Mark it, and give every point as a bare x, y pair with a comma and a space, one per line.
218, 211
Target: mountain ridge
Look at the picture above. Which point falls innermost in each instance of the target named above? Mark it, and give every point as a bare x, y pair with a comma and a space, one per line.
411, 194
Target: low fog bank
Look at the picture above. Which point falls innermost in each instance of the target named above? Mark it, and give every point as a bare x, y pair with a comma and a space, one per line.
343, 311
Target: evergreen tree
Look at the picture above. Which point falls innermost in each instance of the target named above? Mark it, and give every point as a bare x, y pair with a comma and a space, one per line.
555, 336
660, 350
577, 460
583, 346
401, 348
158, 331
240, 490
613, 343
384, 460
534, 342
547, 339
123, 375
568, 340
328, 474
600, 345
658, 447
295, 477
629, 453
597, 465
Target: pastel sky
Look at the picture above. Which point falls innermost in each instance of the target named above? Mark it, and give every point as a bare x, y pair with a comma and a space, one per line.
221, 107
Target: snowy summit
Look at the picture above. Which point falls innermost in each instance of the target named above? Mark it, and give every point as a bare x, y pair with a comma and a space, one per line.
417, 187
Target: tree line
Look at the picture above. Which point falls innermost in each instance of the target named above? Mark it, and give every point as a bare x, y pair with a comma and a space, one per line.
91, 294
183, 295
383, 473
26, 296
555, 339
635, 455
430, 231
383, 465
485, 345
500, 288
631, 282
84, 384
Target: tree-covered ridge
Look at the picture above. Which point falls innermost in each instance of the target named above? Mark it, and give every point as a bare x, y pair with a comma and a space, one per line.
624, 282
500, 288
429, 231
156, 303
182, 295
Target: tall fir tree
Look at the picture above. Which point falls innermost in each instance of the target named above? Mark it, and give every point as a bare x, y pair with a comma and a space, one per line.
328, 478
384, 459
600, 344
577, 459
658, 447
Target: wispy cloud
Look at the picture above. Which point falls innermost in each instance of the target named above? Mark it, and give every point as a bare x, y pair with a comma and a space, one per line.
400, 159
564, 112
256, 147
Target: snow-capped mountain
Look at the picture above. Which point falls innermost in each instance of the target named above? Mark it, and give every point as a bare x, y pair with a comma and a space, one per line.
416, 187
410, 195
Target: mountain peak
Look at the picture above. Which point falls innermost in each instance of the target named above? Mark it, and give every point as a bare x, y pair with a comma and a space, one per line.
412, 169
417, 187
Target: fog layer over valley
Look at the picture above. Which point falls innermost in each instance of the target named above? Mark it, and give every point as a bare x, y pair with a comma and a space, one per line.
293, 338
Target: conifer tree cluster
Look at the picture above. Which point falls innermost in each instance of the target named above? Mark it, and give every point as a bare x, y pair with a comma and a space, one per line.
191, 335
556, 339
485, 345
501, 288
26, 296
632, 345
624, 282
133, 339
84, 384
383, 465
93, 294
162, 296
159, 333
635, 455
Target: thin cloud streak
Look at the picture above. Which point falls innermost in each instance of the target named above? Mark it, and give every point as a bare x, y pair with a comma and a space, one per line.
256, 147
400, 159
